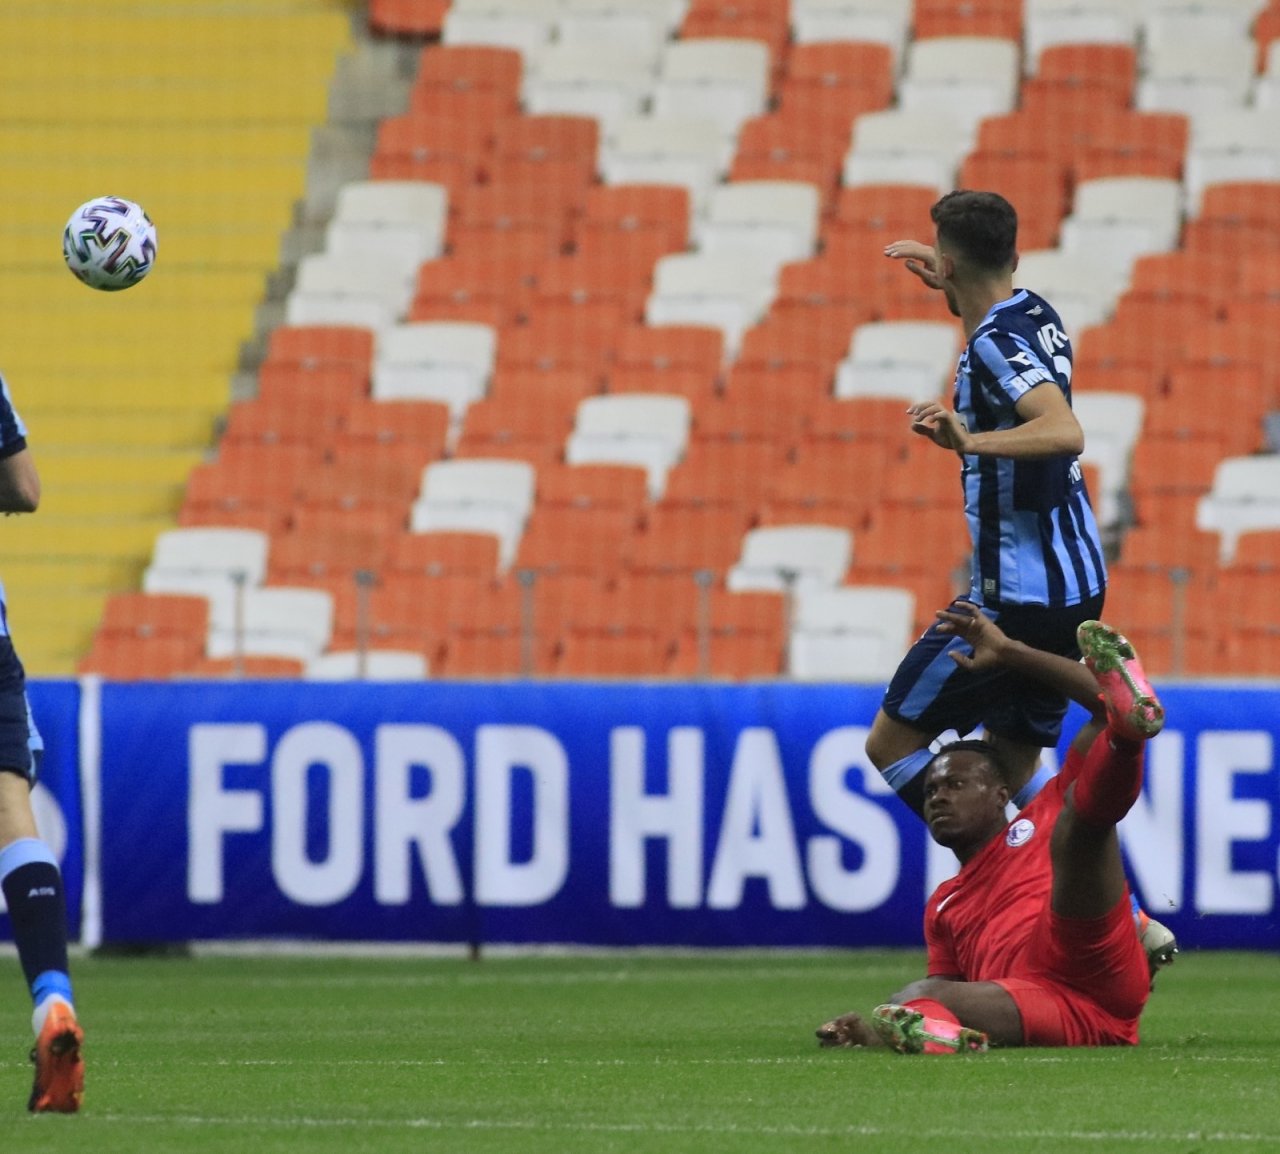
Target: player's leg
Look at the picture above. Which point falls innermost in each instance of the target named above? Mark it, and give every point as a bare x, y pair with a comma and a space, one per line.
32, 886
1089, 874
927, 695
934, 1015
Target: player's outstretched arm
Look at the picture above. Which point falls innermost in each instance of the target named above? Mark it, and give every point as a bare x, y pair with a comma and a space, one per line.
992, 647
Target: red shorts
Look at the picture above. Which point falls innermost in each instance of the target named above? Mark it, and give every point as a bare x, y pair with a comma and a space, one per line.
1084, 981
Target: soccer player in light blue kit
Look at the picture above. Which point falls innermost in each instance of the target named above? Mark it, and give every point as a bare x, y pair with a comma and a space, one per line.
29, 874
1037, 557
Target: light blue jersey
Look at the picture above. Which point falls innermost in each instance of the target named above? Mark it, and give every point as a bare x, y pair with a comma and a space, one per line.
1035, 538
13, 439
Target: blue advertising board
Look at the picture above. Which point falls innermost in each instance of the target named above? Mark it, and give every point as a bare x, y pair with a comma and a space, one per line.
604, 814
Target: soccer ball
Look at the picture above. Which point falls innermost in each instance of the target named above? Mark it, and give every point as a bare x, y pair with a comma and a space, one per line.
109, 243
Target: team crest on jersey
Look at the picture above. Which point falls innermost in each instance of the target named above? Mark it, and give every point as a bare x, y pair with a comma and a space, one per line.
1021, 832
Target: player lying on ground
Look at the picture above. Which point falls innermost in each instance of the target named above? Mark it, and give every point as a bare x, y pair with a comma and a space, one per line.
1032, 942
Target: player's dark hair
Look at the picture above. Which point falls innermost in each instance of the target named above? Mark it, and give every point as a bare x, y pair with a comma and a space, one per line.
999, 767
983, 225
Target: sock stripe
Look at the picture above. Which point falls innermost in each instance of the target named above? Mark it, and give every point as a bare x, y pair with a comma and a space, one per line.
22, 852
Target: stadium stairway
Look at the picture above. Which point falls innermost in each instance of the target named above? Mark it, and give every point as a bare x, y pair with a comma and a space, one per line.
205, 117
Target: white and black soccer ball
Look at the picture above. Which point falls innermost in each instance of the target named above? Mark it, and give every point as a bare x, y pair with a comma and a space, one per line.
109, 243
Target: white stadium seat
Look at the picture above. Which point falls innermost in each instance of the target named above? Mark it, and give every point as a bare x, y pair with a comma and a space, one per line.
776, 218
645, 429
905, 146
1047, 23
777, 557
216, 551
1082, 288
1112, 423
690, 151
879, 21
1122, 218
1231, 144
1245, 496
370, 665
275, 621
642, 25
525, 25
1191, 74
326, 274
476, 494
607, 81
913, 360
722, 79
447, 361
965, 77
849, 633
730, 291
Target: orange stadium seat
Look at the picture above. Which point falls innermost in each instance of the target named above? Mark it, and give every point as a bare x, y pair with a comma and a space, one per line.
536, 423
803, 331
331, 543
763, 383
826, 281
735, 421
1169, 545
724, 472
598, 485
564, 539
828, 482
766, 23
1258, 550
1233, 420
1266, 30
145, 615
316, 346
1107, 63
1000, 18
408, 17
615, 652
424, 424
569, 332
835, 63
632, 207
251, 666
496, 651
859, 419
443, 553
285, 420
1048, 97
367, 475
298, 384
731, 655
698, 385
685, 538
124, 658
470, 68
1210, 276
1035, 182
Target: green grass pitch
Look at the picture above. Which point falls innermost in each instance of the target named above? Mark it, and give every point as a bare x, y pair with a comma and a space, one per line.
621, 1052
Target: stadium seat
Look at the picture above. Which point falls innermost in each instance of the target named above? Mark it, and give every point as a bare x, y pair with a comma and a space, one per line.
877, 21
849, 633
435, 360
1082, 286
1192, 74
679, 148
718, 471
466, 68
642, 24
408, 17
1085, 62
274, 621
967, 76
908, 359
1124, 218
617, 652
581, 539
1053, 23
687, 538
636, 208
636, 428
775, 557
722, 79
1245, 496
248, 666
905, 146
729, 291
311, 347
776, 219
1112, 424
598, 79
129, 658
1035, 183
496, 651
1232, 144
525, 25
492, 496
829, 482
367, 665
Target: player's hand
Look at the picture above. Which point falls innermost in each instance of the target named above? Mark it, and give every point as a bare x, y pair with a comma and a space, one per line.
919, 259
846, 1032
964, 619
942, 426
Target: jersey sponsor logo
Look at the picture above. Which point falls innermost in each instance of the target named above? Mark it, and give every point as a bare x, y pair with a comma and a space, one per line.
1021, 832
1051, 338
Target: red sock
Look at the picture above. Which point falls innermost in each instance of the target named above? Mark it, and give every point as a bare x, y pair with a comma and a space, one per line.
941, 1022
1110, 779
931, 1009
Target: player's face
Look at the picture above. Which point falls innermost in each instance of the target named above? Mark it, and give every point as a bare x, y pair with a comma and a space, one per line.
963, 800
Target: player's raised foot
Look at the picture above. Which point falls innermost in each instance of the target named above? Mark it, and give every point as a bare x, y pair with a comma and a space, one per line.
1158, 941
910, 1032
1133, 710
59, 1081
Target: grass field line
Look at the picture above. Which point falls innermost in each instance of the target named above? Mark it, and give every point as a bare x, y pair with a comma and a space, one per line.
516, 1125
892, 974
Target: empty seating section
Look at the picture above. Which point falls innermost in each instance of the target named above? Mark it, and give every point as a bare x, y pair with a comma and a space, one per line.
602, 370
121, 393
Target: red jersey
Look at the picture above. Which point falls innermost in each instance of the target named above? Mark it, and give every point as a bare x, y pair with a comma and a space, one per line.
978, 923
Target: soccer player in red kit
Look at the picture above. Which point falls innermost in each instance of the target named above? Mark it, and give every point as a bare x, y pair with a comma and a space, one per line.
1032, 942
